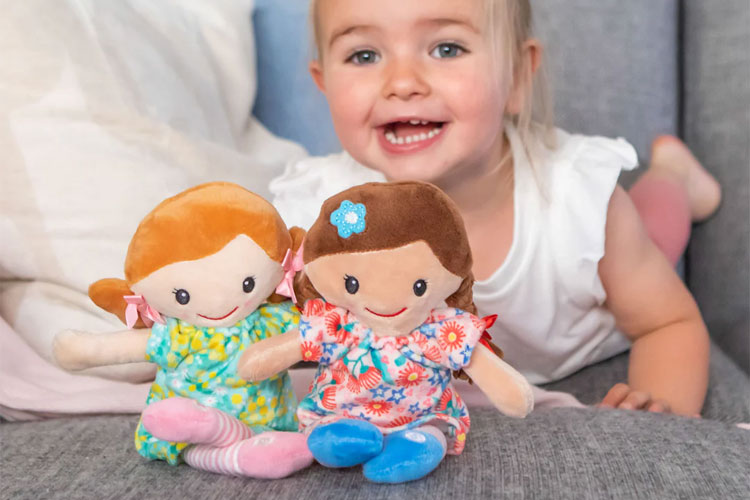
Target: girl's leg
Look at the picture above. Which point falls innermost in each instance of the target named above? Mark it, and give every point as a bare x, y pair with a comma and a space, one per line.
183, 420
271, 455
672, 194
407, 455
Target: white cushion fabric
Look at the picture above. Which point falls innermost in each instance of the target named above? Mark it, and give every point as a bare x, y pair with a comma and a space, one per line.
106, 108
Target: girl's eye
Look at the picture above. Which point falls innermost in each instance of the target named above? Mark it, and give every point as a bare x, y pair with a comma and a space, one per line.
351, 284
420, 287
363, 57
248, 284
447, 50
182, 296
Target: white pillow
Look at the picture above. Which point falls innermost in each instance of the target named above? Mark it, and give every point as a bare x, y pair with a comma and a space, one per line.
106, 108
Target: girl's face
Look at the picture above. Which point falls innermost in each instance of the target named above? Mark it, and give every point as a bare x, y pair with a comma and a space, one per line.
412, 86
215, 291
391, 291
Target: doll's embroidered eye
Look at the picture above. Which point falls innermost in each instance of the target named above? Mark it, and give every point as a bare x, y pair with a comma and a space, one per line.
182, 296
351, 283
420, 287
248, 284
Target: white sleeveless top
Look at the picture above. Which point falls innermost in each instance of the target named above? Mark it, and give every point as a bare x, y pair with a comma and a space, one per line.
547, 294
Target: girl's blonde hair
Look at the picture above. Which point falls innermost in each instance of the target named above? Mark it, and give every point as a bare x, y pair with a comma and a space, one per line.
509, 27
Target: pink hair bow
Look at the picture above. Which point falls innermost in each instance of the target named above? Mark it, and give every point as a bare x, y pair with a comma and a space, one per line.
292, 264
137, 305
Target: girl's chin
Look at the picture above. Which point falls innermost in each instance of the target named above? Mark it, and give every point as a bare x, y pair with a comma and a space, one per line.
412, 170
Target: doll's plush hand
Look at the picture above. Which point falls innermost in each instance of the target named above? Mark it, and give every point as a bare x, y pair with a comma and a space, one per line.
622, 396
75, 350
72, 349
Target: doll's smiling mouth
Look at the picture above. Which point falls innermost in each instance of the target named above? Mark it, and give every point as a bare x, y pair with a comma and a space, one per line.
223, 317
385, 315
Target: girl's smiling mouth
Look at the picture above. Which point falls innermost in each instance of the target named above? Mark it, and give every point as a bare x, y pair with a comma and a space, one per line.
410, 136
385, 315
223, 317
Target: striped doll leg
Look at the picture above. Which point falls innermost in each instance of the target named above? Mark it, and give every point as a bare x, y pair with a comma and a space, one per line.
184, 420
271, 455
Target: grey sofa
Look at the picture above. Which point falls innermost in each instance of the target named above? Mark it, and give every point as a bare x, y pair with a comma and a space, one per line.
634, 68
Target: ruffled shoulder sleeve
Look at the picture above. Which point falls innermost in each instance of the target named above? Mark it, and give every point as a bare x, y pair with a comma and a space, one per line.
326, 331
455, 334
584, 176
303, 187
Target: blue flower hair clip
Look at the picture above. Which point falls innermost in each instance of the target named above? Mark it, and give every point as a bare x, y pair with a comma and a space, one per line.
349, 218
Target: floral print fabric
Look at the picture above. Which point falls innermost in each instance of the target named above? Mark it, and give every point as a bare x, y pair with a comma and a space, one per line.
201, 363
393, 382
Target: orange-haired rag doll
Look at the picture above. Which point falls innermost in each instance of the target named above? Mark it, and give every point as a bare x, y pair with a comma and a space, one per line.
202, 270
389, 314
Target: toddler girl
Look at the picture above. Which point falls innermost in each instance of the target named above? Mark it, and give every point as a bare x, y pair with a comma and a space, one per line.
442, 92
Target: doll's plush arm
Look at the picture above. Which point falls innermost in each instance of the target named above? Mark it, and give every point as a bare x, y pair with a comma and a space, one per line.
507, 389
270, 356
74, 350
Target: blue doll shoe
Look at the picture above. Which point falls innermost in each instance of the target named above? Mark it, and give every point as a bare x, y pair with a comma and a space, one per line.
407, 455
345, 443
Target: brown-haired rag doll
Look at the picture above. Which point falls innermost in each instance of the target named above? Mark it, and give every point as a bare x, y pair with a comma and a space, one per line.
388, 315
201, 271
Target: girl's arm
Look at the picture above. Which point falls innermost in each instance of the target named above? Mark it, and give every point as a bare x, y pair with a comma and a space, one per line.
507, 389
270, 356
75, 351
670, 352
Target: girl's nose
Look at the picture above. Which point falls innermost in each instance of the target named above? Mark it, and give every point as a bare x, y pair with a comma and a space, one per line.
405, 81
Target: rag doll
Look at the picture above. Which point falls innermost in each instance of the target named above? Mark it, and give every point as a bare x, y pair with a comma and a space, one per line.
388, 316
201, 272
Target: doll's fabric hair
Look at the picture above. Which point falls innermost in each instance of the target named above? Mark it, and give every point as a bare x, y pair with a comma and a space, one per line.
397, 213
191, 225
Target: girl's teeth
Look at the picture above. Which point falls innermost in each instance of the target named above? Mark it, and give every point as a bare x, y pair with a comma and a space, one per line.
391, 137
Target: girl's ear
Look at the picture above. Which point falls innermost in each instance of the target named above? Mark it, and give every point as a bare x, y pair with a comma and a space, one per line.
108, 294
316, 71
523, 80
463, 298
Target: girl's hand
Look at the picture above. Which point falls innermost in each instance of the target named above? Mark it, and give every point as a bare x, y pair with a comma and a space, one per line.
623, 397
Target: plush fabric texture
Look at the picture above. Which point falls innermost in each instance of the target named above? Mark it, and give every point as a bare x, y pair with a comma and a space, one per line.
187, 357
397, 213
428, 215
407, 455
270, 455
345, 443
107, 109
208, 216
560, 454
216, 212
717, 127
183, 420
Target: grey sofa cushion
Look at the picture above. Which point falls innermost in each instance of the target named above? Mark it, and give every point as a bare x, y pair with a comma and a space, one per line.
728, 398
613, 65
717, 128
561, 454
552, 454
